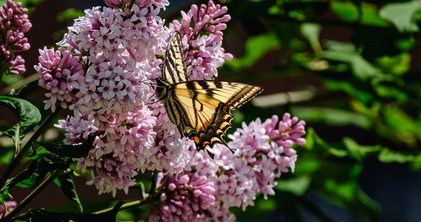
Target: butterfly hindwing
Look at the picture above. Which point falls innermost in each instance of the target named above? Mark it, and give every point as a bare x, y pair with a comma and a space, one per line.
201, 108
207, 103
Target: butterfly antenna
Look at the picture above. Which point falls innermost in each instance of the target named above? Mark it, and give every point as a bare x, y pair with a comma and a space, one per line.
154, 86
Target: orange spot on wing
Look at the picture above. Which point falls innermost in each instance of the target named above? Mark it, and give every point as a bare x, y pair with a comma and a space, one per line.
195, 139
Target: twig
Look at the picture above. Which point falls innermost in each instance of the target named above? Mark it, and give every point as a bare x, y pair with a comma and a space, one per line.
20, 83
31, 196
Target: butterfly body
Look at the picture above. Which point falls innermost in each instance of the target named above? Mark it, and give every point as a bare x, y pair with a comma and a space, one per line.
199, 108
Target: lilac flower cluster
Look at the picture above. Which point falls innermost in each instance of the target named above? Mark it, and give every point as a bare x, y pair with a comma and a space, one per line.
263, 152
14, 23
103, 70
183, 197
203, 52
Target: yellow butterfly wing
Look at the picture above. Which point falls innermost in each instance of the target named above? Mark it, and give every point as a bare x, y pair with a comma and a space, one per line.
206, 106
200, 109
174, 69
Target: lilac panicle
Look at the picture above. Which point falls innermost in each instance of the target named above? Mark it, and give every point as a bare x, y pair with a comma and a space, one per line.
258, 161
263, 151
268, 148
14, 23
118, 3
186, 196
103, 70
57, 69
203, 42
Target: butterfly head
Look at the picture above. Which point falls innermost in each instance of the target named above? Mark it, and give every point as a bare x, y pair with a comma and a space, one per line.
161, 88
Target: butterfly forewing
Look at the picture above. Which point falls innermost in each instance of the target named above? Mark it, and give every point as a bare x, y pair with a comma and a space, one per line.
231, 93
174, 70
200, 109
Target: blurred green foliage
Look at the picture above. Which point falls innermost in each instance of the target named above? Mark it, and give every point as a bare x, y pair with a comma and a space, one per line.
357, 58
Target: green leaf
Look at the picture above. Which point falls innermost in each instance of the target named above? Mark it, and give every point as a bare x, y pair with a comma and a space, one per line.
361, 68
69, 15
405, 44
266, 205
311, 32
74, 151
370, 15
37, 170
11, 79
31, 3
353, 198
348, 147
29, 117
238, 117
256, 47
67, 186
386, 89
345, 9
397, 65
389, 156
403, 15
297, 186
365, 13
331, 116
359, 92
399, 125
314, 142
27, 178
358, 151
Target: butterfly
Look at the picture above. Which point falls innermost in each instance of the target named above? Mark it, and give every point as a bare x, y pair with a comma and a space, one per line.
199, 108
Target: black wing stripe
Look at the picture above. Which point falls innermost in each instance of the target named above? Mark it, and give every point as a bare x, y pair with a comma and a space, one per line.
168, 70
176, 66
183, 114
200, 109
174, 70
243, 96
173, 111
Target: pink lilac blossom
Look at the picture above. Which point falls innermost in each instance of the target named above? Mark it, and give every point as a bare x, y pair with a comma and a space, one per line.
118, 3
113, 90
112, 82
236, 183
118, 154
263, 152
218, 213
237, 178
10, 205
78, 128
203, 52
57, 68
171, 151
183, 197
267, 148
121, 52
14, 23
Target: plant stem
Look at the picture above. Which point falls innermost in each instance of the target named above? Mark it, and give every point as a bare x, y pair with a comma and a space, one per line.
154, 181
21, 83
128, 205
152, 197
31, 196
15, 162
